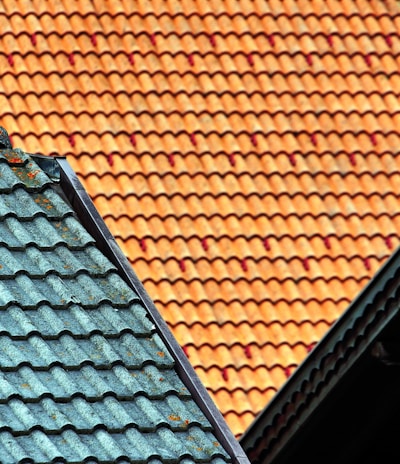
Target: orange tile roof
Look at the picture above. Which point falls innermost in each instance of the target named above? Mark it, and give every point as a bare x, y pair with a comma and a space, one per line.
244, 153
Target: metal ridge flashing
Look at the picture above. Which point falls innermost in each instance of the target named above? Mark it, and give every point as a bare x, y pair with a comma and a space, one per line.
91, 219
361, 312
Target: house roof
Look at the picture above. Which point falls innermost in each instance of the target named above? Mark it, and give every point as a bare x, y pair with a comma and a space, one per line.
244, 154
87, 373
341, 403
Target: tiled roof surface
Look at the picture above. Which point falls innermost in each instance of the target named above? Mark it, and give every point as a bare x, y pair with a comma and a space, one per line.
335, 395
84, 373
244, 153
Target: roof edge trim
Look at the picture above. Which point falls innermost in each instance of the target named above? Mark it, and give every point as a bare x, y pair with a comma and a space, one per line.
91, 219
357, 310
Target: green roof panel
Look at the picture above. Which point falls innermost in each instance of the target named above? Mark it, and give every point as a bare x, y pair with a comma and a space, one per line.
84, 374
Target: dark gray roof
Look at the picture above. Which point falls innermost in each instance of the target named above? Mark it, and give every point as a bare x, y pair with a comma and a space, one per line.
84, 373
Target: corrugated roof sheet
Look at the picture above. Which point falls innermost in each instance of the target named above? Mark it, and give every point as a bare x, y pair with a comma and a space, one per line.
84, 374
244, 154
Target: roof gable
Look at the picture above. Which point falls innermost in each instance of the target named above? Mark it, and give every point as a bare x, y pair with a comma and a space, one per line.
84, 373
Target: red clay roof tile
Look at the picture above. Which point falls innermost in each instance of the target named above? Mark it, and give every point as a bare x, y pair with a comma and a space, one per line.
245, 155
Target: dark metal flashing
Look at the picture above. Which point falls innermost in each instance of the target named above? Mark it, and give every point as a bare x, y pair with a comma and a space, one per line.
91, 219
350, 338
48, 164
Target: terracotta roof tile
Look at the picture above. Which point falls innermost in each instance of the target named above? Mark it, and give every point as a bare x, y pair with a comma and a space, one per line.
245, 155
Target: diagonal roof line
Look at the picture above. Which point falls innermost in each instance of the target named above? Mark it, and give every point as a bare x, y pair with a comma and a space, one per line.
351, 336
105, 241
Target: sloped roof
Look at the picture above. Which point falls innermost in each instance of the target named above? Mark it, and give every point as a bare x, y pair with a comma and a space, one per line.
341, 404
85, 373
245, 155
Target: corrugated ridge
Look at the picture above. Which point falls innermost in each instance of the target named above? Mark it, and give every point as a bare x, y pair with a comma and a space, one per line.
175, 93
193, 112
255, 216
197, 53
252, 259
128, 14
138, 73
174, 299
270, 36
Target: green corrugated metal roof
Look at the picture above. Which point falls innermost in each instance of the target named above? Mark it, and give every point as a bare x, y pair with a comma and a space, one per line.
84, 375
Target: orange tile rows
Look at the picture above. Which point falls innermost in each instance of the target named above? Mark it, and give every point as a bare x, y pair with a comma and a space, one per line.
244, 153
